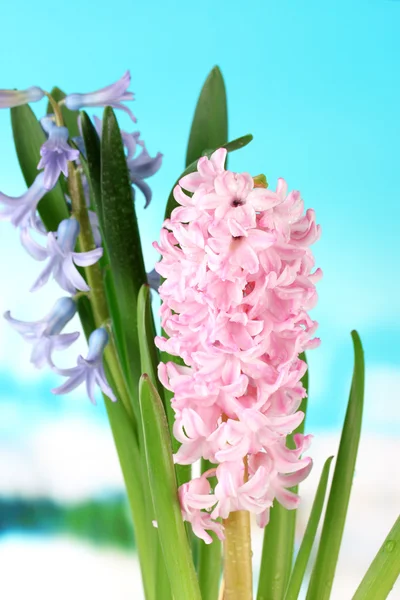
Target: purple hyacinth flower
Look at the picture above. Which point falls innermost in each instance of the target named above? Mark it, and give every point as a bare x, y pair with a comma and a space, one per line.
60, 251
45, 334
154, 280
55, 153
11, 98
112, 95
21, 211
140, 168
89, 370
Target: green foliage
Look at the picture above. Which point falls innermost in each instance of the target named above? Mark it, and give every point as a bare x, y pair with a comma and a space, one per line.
304, 553
210, 121
174, 543
384, 570
122, 240
324, 568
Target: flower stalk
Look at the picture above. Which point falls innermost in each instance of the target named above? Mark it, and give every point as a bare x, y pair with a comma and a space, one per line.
238, 578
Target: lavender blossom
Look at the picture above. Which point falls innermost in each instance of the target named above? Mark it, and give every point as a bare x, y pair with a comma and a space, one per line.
55, 153
45, 334
20, 211
60, 251
140, 168
11, 98
112, 95
89, 370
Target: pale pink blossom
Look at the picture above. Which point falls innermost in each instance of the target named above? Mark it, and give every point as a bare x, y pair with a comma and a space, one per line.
239, 282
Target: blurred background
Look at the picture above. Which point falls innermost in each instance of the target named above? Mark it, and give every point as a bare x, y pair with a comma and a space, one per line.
317, 84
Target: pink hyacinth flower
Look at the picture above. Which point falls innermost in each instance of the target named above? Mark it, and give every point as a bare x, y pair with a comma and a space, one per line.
239, 281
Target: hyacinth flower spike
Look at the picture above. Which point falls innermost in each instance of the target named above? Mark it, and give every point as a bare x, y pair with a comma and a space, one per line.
89, 370
55, 153
11, 98
113, 95
60, 251
20, 211
45, 334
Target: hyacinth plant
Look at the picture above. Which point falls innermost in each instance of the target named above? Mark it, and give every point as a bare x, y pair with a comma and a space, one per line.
208, 417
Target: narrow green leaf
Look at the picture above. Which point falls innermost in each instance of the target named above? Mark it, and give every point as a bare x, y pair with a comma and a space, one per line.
230, 146
131, 461
174, 543
210, 121
304, 553
92, 164
279, 535
29, 137
70, 117
209, 559
122, 240
384, 569
325, 564
149, 356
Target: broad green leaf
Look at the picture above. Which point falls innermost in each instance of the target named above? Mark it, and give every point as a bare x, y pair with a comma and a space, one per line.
210, 121
230, 146
325, 564
174, 542
209, 556
122, 240
304, 553
279, 535
384, 569
70, 117
29, 137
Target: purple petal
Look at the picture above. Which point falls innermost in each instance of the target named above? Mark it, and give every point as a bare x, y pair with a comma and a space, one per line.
44, 276
145, 189
72, 276
31, 246
74, 380
86, 259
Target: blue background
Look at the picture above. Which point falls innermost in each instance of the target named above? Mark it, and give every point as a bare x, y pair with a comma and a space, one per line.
318, 86
316, 83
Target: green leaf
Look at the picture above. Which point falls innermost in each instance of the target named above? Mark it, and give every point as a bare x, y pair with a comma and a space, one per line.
70, 117
304, 553
174, 543
28, 138
384, 569
325, 564
230, 146
149, 357
210, 121
122, 240
209, 563
131, 465
279, 535
92, 165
